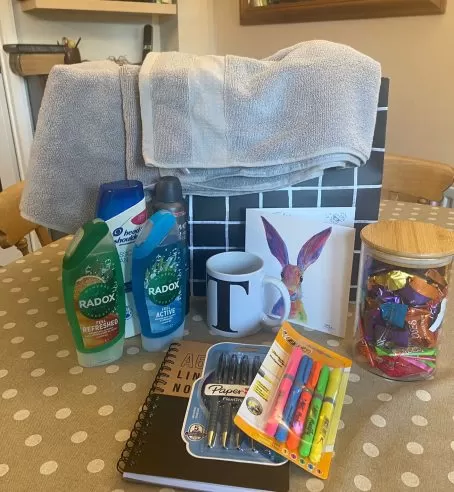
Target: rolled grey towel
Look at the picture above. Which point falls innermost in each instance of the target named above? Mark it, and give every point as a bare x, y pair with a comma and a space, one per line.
230, 125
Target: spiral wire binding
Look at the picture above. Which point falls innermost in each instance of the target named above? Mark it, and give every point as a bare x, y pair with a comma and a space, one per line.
142, 427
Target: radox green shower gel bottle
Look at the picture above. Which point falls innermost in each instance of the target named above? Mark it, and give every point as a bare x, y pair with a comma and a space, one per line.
93, 290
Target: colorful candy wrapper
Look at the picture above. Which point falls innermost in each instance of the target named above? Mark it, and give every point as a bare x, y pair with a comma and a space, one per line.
423, 288
407, 352
398, 367
398, 309
436, 277
412, 298
394, 313
393, 280
379, 294
385, 336
372, 317
418, 321
363, 346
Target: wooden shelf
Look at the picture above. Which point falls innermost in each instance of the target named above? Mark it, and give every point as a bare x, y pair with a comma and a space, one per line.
323, 10
108, 6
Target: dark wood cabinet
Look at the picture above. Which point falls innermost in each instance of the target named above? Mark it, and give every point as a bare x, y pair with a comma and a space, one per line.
285, 11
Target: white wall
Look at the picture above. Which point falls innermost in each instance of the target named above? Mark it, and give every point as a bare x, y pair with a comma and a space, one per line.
102, 36
415, 52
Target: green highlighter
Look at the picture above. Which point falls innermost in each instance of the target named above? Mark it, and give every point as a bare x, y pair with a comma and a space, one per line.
314, 413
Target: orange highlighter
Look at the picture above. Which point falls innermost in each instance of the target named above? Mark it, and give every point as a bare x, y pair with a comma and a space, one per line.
297, 425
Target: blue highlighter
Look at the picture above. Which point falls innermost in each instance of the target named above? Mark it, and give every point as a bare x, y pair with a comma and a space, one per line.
301, 379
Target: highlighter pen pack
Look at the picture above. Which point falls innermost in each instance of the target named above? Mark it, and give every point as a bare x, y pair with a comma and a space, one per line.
208, 429
294, 403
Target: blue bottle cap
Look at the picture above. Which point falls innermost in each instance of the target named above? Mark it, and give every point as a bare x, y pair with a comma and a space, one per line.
117, 196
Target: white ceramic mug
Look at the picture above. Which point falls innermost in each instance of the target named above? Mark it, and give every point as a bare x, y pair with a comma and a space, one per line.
235, 294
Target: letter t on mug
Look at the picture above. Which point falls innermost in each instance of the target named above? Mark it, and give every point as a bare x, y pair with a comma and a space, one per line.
236, 296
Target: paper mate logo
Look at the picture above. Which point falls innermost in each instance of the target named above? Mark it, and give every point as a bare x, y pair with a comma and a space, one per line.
164, 287
226, 390
97, 301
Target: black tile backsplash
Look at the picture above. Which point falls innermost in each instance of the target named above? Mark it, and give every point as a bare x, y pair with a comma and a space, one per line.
304, 198
355, 269
239, 204
208, 208
275, 199
368, 188
358, 229
367, 203
380, 130
200, 257
384, 93
337, 198
237, 236
372, 174
208, 235
308, 183
199, 289
338, 177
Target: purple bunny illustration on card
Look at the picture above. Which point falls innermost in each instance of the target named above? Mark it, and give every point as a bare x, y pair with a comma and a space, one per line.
293, 274
314, 261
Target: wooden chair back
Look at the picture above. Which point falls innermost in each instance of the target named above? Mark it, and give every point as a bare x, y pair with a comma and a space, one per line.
415, 180
13, 227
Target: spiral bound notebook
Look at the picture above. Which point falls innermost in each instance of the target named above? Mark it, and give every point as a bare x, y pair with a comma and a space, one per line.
156, 453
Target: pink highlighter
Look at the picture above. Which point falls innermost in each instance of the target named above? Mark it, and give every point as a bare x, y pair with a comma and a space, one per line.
284, 389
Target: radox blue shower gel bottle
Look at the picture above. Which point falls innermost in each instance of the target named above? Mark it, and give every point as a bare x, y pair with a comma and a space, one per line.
159, 281
121, 204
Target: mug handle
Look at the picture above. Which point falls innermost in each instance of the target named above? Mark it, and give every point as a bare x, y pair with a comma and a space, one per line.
268, 320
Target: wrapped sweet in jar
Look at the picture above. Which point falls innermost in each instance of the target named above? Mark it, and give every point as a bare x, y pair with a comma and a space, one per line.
403, 289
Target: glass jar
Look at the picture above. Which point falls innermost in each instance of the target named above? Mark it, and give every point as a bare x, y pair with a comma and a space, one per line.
402, 294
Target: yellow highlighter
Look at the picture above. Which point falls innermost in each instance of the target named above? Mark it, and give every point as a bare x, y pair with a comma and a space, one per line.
326, 413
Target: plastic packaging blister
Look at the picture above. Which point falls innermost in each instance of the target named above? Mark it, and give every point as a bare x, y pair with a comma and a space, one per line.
208, 428
294, 403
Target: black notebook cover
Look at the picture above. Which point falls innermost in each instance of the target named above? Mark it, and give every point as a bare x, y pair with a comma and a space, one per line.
156, 453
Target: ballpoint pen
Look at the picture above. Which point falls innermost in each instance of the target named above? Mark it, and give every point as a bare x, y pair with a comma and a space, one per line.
283, 391
243, 379
301, 378
325, 415
256, 364
230, 376
314, 412
214, 402
297, 425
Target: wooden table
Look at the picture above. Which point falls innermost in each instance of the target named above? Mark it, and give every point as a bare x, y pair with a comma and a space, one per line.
63, 427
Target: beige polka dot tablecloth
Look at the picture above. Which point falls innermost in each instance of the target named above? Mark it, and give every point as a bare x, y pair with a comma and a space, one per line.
63, 426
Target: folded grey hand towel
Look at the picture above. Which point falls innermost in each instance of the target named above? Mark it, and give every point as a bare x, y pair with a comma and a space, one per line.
135, 167
232, 117
79, 143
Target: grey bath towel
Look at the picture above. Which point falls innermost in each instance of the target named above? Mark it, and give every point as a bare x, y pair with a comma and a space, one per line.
79, 143
89, 132
89, 128
230, 125
135, 166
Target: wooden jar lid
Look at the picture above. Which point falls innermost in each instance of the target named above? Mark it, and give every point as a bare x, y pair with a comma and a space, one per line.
410, 239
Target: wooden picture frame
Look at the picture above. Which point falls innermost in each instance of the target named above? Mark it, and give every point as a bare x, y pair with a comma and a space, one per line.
322, 10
